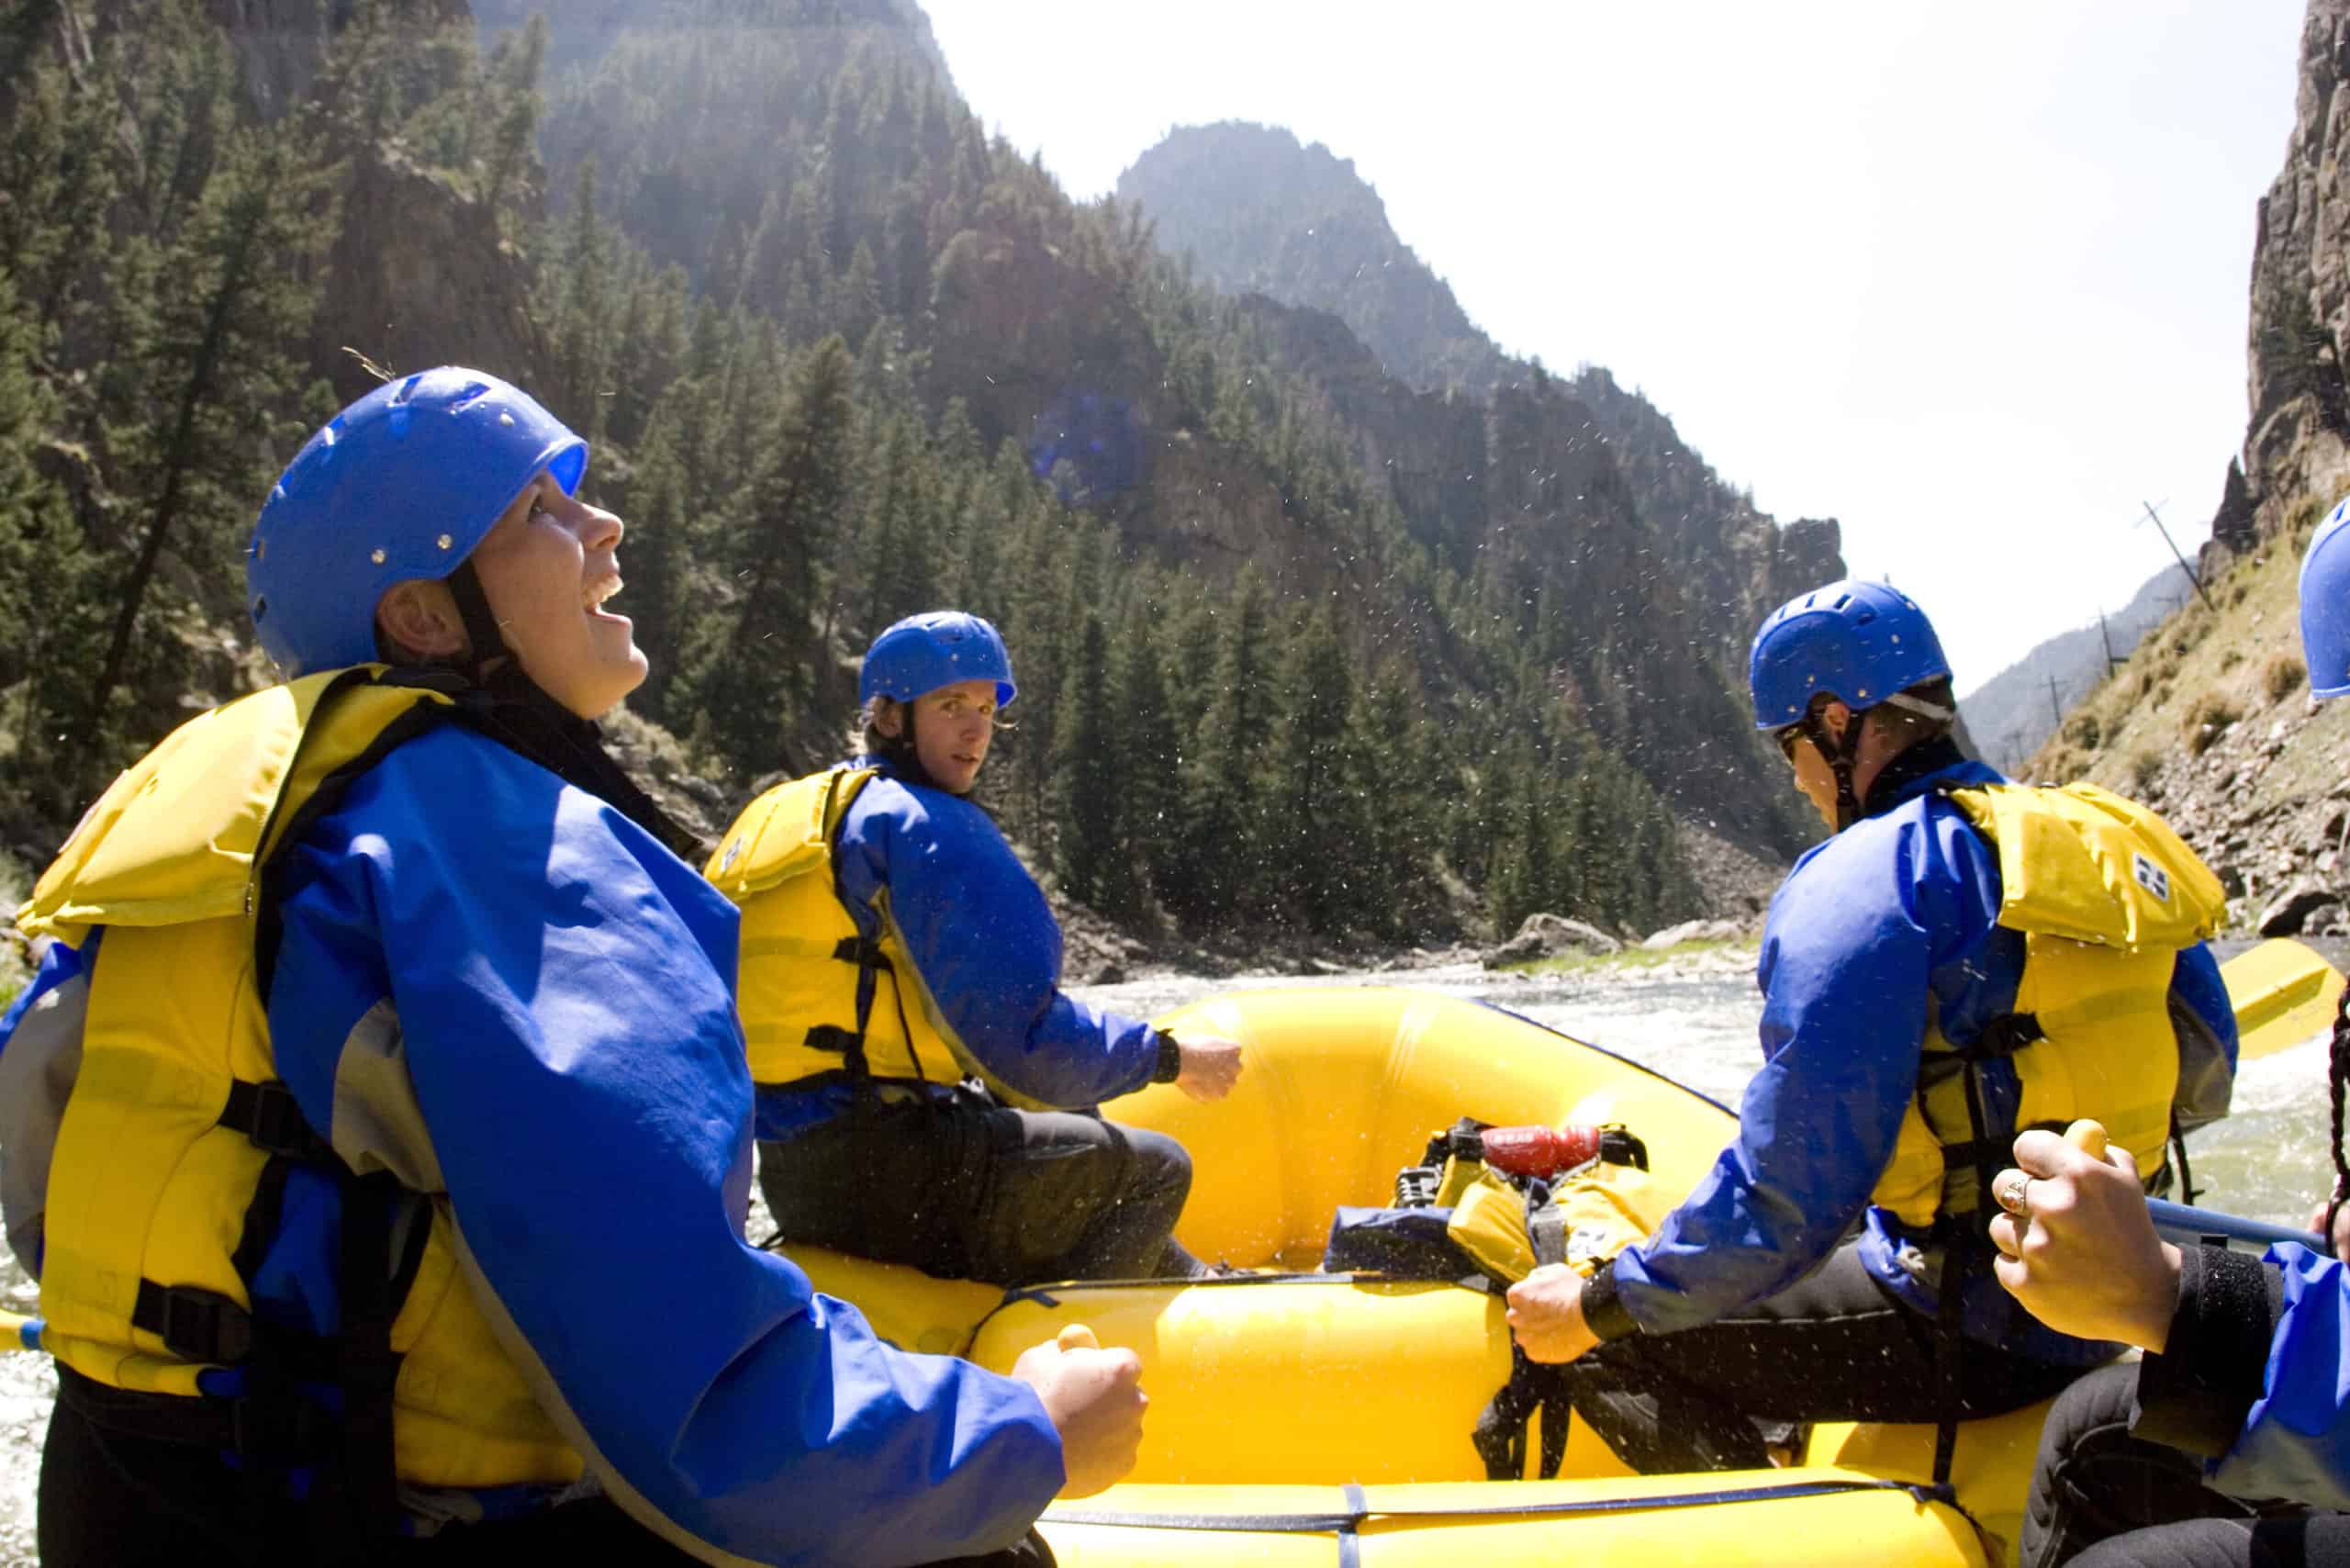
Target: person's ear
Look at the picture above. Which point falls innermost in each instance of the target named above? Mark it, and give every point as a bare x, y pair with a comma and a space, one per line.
1836, 717
422, 618
889, 718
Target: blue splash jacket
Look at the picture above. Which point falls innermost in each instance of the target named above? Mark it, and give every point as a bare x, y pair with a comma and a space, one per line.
1901, 906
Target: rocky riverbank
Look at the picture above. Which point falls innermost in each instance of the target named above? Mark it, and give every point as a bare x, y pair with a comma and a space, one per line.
2211, 721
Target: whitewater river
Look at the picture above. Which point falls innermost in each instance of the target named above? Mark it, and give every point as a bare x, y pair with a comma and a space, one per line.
1692, 1020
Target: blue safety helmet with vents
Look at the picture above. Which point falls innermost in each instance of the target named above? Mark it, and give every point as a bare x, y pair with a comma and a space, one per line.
2325, 605
938, 648
1859, 642
400, 485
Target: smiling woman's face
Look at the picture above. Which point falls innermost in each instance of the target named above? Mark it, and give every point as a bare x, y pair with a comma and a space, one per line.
547, 568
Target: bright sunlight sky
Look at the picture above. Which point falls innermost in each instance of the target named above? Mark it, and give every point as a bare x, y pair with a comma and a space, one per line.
1969, 279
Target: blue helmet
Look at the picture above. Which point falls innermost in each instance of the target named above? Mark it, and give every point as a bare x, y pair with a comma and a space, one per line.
400, 485
2325, 605
938, 648
1859, 642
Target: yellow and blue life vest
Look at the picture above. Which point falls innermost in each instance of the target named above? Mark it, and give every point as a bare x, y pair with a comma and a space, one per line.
817, 995
2104, 896
176, 1132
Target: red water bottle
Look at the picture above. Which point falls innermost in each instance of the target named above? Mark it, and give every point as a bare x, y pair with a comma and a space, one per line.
1540, 1152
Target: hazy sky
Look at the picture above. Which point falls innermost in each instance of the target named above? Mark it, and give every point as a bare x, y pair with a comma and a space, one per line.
1969, 279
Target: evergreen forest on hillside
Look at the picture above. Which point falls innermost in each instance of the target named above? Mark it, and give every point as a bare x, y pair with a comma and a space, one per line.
841, 356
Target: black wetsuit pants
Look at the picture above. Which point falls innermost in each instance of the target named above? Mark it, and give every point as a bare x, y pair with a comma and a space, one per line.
1835, 1345
962, 1188
111, 1501
2102, 1498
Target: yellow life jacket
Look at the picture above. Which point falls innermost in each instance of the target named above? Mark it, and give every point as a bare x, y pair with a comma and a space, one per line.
2106, 896
815, 996
1589, 1217
152, 1181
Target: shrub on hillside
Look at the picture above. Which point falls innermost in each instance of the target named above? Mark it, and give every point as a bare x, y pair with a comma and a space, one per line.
2282, 676
2205, 717
2083, 730
2232, 658
2145, 767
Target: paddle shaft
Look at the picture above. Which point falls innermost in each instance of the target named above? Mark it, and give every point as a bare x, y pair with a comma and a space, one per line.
2180, 1220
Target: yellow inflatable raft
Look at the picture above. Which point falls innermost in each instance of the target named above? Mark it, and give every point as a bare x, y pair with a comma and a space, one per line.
1309, 1418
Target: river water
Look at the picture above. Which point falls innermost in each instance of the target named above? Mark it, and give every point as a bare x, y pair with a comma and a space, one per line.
1692, 1019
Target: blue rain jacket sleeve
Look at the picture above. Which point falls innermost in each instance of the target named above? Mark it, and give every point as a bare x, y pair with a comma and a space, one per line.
2296, 1440
564, 998
986, 944
1854, 937
59, 964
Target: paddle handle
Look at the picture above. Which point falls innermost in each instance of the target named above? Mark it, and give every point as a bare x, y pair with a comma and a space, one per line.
18, 1332
2088, 1136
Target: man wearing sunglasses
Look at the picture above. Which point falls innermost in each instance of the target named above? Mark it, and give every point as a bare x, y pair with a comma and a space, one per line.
1963, 960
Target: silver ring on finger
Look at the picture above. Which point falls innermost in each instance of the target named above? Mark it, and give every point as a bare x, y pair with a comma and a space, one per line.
2015, 1195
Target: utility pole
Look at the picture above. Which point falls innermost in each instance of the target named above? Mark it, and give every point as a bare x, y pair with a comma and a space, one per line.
2055, 704
2157, 519
2105, 636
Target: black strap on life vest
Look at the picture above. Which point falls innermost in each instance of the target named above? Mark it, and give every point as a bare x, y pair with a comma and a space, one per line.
871, 962
1966, 1244
1501, 1431
2187, 1189
278, 1423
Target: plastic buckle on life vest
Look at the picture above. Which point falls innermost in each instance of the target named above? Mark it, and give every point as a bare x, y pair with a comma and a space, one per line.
195, 1324
831, 1037
270, 1117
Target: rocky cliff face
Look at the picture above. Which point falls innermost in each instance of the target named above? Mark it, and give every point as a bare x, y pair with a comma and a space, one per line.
279, 42
2297, 443
420, 272
1258, 212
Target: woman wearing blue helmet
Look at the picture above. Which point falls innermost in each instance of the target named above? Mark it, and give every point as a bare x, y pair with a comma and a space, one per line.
2196, 1456
925, 1086
1952, 965
382, 1098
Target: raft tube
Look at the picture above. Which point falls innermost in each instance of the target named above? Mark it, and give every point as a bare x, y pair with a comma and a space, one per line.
1302, 1417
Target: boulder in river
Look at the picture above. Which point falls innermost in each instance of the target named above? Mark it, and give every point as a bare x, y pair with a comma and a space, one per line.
2290, 908
1693, 931
1547, 936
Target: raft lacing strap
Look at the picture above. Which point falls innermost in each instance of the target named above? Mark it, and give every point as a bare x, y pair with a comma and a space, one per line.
1349, 1519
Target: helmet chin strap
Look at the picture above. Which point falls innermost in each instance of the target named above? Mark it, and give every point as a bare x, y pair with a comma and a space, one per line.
1840, 756
481, 625
900, 750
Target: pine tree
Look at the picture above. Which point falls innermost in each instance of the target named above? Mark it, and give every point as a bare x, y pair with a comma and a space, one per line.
1090, 854
764, 662
1150, 750
1219, 870
223, 374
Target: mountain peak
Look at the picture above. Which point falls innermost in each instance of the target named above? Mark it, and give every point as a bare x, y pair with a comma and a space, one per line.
1261, 211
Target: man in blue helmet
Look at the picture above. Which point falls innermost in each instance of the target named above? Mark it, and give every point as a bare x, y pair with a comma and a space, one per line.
2197, 1455
378, 1128
1963, 959
925, 1086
